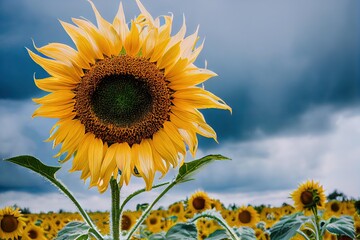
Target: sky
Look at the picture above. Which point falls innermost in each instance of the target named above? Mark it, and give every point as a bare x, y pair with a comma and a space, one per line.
290, 70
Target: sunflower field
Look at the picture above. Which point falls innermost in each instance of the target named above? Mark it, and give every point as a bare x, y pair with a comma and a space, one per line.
252, 222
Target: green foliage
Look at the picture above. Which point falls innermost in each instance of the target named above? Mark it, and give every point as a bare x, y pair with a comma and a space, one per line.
74, 231
287, 226
190, 168
335, 195
35, 165
341, 226
182, 231
245, 233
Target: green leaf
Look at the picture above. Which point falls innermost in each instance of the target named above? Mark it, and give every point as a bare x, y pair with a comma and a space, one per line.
341, 226
74, 231
219, 234
36, 165
157, 236
48, 172
245, 233
287, 226
188, 169
182, 231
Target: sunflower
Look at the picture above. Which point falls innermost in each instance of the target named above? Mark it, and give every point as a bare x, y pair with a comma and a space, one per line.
199, 202
246, 216
333, 208
127, 98
33, 232
12, 223
128, 220
309, 195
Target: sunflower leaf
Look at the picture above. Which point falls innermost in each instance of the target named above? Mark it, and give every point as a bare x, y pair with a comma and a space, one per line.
182, 231
287, 226
219, 234
341, 226
246, 233
189, 168
157, 236
74, 231
35, 165
48, 172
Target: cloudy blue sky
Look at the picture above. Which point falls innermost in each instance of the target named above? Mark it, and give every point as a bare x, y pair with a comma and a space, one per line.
289, 69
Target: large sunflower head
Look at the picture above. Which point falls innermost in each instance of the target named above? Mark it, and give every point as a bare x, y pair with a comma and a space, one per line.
12, 223
309, 195
127, 98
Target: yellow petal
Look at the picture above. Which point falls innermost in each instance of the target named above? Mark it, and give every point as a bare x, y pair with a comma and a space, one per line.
56, 68
52, 84
87, 49
95, 158
60, 97
132, 42
120, 24
123, 161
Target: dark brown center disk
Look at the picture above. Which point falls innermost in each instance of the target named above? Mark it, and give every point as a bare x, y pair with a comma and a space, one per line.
125, 223
245, 216
199, 203
306, 197
9, 223
32, 234
123, 99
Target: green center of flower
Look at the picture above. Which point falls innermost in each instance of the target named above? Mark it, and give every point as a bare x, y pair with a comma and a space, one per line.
199, 203
244, 216
9, 223
122, 100
32, 234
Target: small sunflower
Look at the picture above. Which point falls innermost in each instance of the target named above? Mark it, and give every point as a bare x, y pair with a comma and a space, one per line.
127, 98
333, 208
12, 223
33, 232
199, 202
128, 220
309, 195
246, 216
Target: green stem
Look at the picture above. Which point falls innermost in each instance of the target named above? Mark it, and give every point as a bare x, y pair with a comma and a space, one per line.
146, 212
316, 216
303, 234
115, 213
136, 193
221, 221
81, 210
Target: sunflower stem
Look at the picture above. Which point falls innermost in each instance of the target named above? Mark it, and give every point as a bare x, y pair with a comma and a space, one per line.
138, 192
115, 213
221, 221
317, 225
148, 209
85, 216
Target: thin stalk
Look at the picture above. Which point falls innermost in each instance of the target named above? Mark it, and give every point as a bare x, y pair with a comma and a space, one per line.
81, 210
317, 226
303, 234
115, 213
222, 222
138, 192
146, 212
